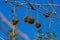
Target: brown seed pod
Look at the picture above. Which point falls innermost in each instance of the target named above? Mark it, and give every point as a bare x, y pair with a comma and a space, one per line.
14, 21
37, 24
47, 14
30, 20
25, 18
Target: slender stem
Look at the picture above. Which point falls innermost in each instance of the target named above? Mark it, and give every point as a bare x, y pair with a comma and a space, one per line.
10, 3
50, 23
50, 18
14, 8
58, 17
37, 18
26, 11
53, 9
14, 16
30, 12
42, 4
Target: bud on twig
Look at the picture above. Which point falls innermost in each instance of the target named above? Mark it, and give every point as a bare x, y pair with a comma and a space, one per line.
5, 1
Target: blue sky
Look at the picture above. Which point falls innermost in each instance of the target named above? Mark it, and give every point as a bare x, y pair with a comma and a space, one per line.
27, 28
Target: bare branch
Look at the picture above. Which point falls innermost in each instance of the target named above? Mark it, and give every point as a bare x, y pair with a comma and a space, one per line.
12, 26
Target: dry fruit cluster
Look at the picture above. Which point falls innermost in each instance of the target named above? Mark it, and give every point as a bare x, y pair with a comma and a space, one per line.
30, 20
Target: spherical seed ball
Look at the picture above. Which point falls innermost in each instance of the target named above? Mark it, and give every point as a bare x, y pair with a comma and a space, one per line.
25, 18
30, 20
14, 21
37, 24
47, 14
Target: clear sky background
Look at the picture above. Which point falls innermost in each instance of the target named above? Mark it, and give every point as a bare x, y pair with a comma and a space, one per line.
27, 28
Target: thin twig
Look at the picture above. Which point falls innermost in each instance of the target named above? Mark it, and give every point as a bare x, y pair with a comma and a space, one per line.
12, 26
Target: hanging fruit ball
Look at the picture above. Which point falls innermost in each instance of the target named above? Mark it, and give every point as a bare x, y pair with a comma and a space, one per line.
30, 20
25, 18
37, 24
14, 21
47, 14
